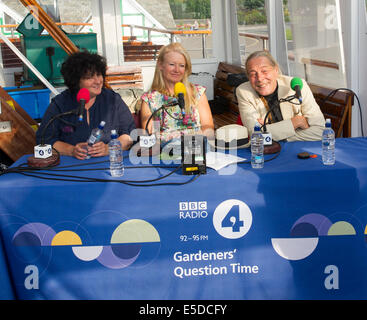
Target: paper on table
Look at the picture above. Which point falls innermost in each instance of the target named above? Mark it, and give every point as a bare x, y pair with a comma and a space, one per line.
219, 160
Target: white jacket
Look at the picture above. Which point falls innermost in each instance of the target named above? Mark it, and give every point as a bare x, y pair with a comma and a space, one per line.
252, 108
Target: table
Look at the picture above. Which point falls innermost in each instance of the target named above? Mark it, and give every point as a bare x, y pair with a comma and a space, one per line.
295, 229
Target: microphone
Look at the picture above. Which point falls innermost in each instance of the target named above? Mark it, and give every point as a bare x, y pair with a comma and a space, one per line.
297, 85
82, 97
180, 91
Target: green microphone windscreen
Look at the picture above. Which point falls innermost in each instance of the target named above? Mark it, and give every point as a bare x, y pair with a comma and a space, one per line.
296, 82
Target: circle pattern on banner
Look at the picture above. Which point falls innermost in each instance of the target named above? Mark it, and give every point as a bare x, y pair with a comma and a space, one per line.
232, 219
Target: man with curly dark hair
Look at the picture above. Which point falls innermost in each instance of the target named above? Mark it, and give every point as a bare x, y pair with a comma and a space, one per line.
67, 135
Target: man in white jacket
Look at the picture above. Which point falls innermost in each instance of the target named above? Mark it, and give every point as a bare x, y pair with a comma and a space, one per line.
262, 92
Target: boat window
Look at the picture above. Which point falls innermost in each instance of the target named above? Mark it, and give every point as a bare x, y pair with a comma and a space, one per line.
252, 27
315, 46
155, 23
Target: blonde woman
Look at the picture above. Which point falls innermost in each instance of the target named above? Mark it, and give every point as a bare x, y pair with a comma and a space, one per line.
262, 92
173, 66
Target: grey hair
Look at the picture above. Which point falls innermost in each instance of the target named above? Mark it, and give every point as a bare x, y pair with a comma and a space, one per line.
265, 54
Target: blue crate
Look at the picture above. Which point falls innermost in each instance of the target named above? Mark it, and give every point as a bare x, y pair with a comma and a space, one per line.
34, 102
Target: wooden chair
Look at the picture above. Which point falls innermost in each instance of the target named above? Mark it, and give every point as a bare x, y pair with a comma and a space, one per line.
140, 51
124, 77
225, 95
336, 105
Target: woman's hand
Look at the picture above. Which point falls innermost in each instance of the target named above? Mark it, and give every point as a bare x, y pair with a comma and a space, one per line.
80, 151
99, 149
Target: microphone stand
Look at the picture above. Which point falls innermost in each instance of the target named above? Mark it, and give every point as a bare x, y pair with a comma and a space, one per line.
54, 159
170, 104
275, 147
75, 111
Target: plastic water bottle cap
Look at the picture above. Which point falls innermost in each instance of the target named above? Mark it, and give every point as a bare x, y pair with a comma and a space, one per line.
101, 125
328, 123
257, 126
113, 134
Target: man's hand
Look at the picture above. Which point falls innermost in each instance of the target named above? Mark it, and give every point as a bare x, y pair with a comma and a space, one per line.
300, 122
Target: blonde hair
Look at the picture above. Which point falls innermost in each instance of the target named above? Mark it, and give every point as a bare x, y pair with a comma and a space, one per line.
158, 83
265, 54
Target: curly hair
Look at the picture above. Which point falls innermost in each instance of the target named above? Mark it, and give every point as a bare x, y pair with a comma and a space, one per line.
80, 65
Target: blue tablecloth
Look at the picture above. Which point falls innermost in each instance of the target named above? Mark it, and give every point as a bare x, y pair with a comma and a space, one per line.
295, 229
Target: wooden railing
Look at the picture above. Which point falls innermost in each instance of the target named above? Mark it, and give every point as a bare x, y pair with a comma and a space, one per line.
172, 34
314, 62
263, 38
13, 27
203, 33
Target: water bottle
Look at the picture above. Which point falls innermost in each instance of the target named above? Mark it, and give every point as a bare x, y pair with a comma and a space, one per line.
257, 148
116, 160
95, 136
328, 144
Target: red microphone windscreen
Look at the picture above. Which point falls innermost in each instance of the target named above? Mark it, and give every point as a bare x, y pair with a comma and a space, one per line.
83, 94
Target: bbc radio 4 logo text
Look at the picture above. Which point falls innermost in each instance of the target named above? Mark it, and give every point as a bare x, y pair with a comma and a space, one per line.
193, 210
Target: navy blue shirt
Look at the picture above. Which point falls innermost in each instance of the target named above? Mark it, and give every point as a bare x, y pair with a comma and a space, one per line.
108, 107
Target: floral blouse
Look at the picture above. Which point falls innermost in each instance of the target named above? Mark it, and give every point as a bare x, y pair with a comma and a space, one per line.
171, 121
